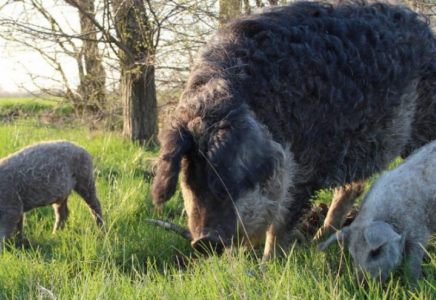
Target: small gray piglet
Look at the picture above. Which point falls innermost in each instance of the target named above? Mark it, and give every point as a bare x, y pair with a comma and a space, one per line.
396, 218
44, 174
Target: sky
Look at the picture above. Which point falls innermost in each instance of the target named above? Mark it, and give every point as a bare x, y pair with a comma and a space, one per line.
16, 64
8, 75
13, 74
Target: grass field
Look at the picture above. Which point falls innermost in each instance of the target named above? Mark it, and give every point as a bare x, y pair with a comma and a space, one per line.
32, 105
137, 261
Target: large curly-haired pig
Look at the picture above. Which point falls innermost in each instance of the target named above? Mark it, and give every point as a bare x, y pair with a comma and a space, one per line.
396, 218
44, 174
291, 100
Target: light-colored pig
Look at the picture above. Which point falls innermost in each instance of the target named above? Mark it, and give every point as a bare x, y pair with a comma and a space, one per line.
397, 216
45, 174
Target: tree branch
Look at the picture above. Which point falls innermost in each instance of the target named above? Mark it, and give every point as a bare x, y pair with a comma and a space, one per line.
110, 38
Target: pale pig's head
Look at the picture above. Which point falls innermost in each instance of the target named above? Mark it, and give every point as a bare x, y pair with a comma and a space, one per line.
375, 248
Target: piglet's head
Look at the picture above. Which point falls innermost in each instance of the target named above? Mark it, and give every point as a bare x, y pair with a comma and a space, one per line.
376, 248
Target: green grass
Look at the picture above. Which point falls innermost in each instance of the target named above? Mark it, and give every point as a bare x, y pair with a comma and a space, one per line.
50, 101
28, 106
135, 260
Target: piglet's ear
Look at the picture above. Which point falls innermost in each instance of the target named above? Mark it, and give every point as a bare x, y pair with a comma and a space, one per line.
379, 233
340, 235
175, 143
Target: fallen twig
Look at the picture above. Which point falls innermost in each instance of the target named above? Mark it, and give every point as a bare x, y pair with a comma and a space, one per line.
173, 227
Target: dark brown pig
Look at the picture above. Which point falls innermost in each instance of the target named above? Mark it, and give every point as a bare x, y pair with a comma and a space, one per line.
291, 100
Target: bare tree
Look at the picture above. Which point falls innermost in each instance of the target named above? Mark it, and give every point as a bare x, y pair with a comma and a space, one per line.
138, 88
186, 26
426, 7
133, 28
93, 78
47, 31
229, 9
155, 43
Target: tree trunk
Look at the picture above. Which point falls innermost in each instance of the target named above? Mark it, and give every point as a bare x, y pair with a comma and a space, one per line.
139, 104
93, 75
138, 86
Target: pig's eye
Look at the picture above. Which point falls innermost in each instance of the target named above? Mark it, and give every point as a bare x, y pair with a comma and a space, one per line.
375, 253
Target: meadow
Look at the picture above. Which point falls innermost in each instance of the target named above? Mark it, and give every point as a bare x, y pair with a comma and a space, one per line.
135, 260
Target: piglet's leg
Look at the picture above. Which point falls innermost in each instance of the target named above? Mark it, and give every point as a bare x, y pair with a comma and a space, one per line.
61, 212
414, 254
86, 189
9, 218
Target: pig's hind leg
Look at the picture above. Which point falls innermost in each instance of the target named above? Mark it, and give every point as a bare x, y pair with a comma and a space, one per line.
61, 212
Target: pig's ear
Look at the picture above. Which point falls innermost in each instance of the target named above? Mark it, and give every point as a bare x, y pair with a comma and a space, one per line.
240, 155
175, 143
341, 236
379, 233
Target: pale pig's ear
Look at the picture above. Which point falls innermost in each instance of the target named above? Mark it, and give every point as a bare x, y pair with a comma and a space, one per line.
340, 235
379, 233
